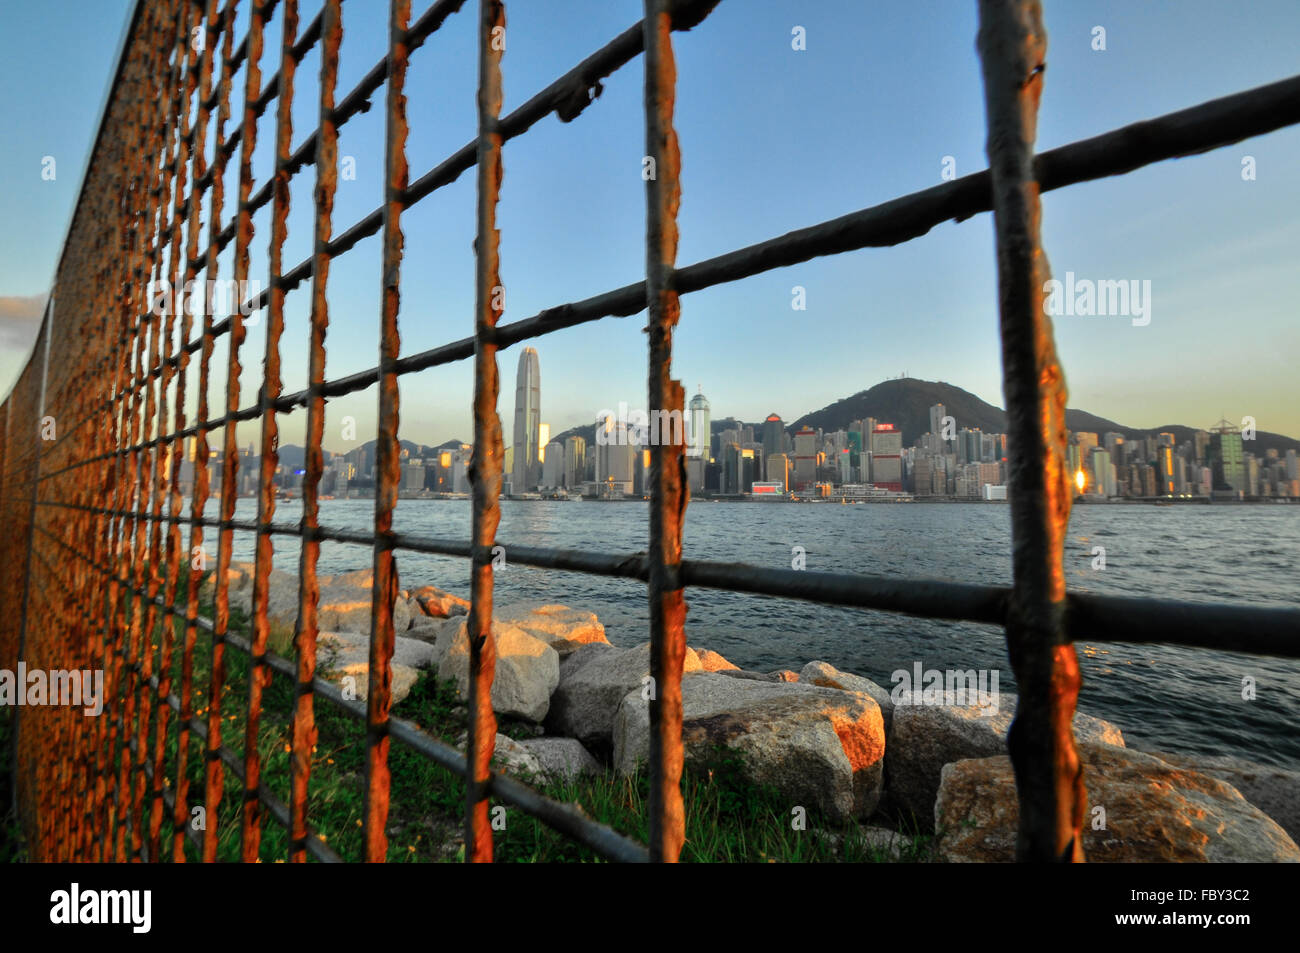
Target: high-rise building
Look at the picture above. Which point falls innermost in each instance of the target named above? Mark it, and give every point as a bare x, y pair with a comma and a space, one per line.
413, 476
1099, 477
1200, 445
1225, 455
937, 413
778, 470
553, 466
701, 434
773, 435
923, 476
887, 457
805, 457
575, 462
615, 454
526, 469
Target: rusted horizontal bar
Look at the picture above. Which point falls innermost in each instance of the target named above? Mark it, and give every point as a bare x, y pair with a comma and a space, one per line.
1256, 630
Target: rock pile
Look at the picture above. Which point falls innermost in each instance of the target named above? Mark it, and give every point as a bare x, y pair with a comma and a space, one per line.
832, 742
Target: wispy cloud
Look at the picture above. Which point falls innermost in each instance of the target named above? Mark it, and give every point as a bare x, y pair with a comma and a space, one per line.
20, 319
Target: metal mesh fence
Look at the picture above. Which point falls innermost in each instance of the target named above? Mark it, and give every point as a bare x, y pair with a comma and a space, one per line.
100, 536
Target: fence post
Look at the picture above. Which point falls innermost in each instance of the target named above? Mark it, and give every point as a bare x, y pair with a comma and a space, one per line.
668, 484
1049, 778
487, 459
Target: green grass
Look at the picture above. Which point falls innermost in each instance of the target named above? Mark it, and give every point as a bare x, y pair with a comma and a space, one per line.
728, 818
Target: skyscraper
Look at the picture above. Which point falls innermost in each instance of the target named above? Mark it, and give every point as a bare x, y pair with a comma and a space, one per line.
526, 471
773, 435
1225, 454
701, 434
937, 413
575, 462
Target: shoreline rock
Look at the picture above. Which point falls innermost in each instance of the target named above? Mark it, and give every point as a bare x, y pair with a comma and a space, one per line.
924, 738
1154, 812
819, 747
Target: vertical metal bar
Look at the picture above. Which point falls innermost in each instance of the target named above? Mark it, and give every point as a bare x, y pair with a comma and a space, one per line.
180, 273
149, 541
668, 484
304, 717
134, 332
486, 460
120, 416
1049, 778
117, 217
259, 675
214, 777
145, 186
387, 452
199, 499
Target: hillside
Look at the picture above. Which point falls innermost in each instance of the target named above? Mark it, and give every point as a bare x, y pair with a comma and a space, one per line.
906, 402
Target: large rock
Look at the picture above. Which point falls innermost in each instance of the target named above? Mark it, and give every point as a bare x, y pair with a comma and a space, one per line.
344, 603
344, 657
427, 629
1154, 813
513, 758
552, 623
347, 608
527, 669
1274, 790
923, 738
821, 748
546, 759
711, 661
828, 676
281, 603
562, 759
593, 680
353, 579
748, 675
355, 646
438, 604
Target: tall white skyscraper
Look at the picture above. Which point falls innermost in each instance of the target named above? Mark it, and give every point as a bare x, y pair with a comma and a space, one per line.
528, 423
701, 434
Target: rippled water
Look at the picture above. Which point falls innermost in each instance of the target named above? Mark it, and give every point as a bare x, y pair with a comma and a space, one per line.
1162, 697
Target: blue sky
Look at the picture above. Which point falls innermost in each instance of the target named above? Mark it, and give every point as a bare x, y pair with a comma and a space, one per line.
772, 139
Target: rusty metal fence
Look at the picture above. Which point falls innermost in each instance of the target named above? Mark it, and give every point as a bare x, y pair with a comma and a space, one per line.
94, 522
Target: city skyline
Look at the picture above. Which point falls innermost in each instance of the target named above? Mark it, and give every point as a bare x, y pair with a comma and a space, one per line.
867, 315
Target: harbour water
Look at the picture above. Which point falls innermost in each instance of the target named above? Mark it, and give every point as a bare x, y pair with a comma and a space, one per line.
1163, 697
